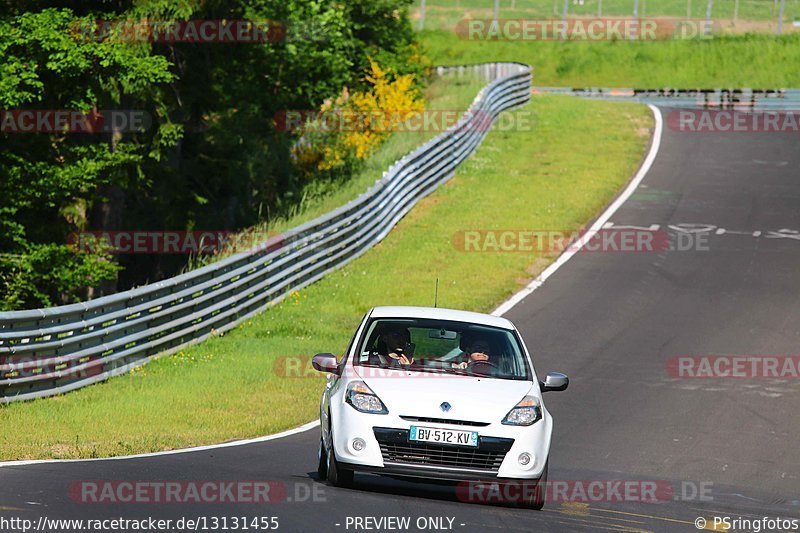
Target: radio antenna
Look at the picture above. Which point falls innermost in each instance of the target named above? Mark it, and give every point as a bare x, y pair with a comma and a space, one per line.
436, 294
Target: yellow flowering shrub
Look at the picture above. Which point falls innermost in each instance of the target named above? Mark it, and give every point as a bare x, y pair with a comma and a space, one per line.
349, 127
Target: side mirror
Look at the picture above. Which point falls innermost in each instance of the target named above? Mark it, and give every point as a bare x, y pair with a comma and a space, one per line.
325, 362
555, 381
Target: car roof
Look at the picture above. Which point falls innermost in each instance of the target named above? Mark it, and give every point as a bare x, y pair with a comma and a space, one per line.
438, 313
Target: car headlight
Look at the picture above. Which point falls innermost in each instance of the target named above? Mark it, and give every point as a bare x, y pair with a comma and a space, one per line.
525, 413
363, 399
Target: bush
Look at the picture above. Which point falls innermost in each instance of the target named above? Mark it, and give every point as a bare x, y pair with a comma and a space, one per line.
346, 130
52, 274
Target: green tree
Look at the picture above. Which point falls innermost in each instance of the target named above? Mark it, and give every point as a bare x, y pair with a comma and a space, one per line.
212, 158
49, 181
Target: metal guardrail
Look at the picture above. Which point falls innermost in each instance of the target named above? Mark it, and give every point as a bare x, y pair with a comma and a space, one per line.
44, 352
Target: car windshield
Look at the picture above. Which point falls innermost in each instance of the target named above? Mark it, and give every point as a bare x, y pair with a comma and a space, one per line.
437, 346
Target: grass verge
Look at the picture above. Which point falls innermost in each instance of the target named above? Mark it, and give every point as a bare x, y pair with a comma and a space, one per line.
559, 175
444, 14
753, 61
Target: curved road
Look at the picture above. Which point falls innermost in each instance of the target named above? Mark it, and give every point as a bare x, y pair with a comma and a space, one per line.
613, 322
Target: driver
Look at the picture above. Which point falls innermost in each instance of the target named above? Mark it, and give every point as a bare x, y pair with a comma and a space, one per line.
477, 352
395, 340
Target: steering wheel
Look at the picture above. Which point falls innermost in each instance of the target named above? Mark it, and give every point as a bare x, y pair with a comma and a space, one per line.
473, 364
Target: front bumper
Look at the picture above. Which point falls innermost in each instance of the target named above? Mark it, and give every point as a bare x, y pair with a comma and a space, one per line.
389, 452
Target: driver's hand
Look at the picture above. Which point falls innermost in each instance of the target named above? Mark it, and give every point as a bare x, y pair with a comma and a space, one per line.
460, 365
401, 358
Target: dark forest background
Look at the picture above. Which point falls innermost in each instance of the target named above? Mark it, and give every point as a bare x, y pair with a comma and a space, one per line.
212, 157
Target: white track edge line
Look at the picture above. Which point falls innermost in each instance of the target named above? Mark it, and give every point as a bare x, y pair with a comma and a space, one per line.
502, 309
301, 429
598, 224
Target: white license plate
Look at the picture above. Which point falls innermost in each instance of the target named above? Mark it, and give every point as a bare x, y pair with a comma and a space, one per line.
443, 436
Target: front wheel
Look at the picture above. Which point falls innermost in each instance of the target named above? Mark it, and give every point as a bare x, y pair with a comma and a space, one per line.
337, 475
322, 461
534, 496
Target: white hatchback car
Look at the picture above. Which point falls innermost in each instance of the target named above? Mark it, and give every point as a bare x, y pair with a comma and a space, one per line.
436, 394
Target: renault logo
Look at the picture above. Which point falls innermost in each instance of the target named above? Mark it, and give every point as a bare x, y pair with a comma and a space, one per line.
445, 406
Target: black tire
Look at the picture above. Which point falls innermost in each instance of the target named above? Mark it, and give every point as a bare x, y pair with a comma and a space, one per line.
535, 498
337, 475
322, 461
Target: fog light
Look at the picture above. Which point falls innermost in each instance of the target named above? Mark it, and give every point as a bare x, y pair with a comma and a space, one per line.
358, 444
524, 459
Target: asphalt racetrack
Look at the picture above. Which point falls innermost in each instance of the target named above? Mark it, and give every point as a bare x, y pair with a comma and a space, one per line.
615, 323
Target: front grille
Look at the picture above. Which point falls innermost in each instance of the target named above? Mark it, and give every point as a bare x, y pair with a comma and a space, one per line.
396, 448
445, 421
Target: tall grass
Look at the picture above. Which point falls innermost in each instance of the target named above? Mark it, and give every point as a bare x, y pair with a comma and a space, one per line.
755, 61
444, 14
